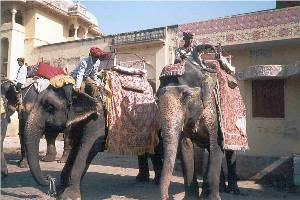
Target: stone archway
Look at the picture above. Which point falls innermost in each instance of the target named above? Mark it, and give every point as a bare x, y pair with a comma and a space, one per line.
4, 55
80, 32
72, 30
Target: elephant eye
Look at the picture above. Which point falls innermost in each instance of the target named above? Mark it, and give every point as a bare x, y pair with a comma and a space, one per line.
49, 108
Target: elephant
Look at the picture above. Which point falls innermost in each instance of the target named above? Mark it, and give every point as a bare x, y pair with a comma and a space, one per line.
29, 96
59, 109
188, 116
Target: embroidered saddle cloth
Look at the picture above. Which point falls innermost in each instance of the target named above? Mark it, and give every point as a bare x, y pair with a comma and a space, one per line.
131, 114
232, 111
173, 70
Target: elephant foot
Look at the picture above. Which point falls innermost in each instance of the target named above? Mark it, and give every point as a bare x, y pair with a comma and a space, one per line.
164, 197
233, 189
222, 187
156, 179
64, 157
206, 195
23, 163
4, 173
70, 194
142, 177
210, 197
48, 158
191, 194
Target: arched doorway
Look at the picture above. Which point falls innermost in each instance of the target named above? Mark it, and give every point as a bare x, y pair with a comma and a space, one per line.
80, 32
71, 30
4, 55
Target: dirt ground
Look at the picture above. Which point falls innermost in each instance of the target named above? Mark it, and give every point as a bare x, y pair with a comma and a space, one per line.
111, 177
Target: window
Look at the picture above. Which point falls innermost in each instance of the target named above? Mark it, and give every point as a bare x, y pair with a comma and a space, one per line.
268, 98
264, 52
19, 17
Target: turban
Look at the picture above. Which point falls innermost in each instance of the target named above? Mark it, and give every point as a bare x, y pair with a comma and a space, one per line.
96, 52
188, 35
21, 60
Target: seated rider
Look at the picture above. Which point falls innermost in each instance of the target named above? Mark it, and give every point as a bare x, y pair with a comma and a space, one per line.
20, 80
190, 52
186, 50
87, 70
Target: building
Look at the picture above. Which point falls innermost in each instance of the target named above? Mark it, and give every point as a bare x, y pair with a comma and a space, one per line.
26, 25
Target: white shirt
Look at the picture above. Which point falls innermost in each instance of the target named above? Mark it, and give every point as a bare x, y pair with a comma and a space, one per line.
86, 68
21, 75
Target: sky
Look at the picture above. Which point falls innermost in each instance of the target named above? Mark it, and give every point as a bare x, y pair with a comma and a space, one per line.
125, 16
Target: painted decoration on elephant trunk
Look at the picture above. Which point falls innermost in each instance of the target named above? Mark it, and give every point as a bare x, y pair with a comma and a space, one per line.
131, 114
232, 111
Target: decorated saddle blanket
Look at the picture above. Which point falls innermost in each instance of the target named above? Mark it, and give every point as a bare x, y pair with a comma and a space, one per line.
40, 84
232, 111
2, 105
131, 114
173, 70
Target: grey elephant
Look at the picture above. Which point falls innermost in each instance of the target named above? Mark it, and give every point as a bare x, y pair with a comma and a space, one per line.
188, 116
58, 109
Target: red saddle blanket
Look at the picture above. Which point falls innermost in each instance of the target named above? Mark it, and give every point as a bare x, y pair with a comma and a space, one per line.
131, 114
232, 111
47, 71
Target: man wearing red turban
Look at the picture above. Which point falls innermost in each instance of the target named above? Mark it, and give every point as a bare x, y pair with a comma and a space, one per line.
87, 70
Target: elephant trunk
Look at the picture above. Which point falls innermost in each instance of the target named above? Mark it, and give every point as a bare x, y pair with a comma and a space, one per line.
172, 120
33, 132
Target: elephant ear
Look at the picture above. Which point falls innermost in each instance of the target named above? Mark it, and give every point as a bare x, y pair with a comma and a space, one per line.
83, 106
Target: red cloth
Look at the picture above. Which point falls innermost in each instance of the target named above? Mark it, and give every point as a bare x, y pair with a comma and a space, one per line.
48, 71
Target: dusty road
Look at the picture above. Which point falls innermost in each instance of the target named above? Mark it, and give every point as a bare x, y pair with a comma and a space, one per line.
111, 177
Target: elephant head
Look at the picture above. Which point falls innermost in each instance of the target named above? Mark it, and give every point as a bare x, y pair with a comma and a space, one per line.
8, 90
56, 108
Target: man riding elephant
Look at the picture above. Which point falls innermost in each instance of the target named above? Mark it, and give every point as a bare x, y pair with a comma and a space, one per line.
87, 70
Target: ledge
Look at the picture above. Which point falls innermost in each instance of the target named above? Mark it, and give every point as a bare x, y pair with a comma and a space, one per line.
269, 71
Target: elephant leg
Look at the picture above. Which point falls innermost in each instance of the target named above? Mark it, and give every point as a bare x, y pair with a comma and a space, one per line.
211, 179
67, 147
157, 166
98, 145
76, 164
143, 175
156, 160
232, 176
187, 163
4, 170
51, 149
222, 186
23, 162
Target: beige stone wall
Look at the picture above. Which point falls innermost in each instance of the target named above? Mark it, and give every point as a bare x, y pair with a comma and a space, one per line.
45, 23
67, 54
271, 136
